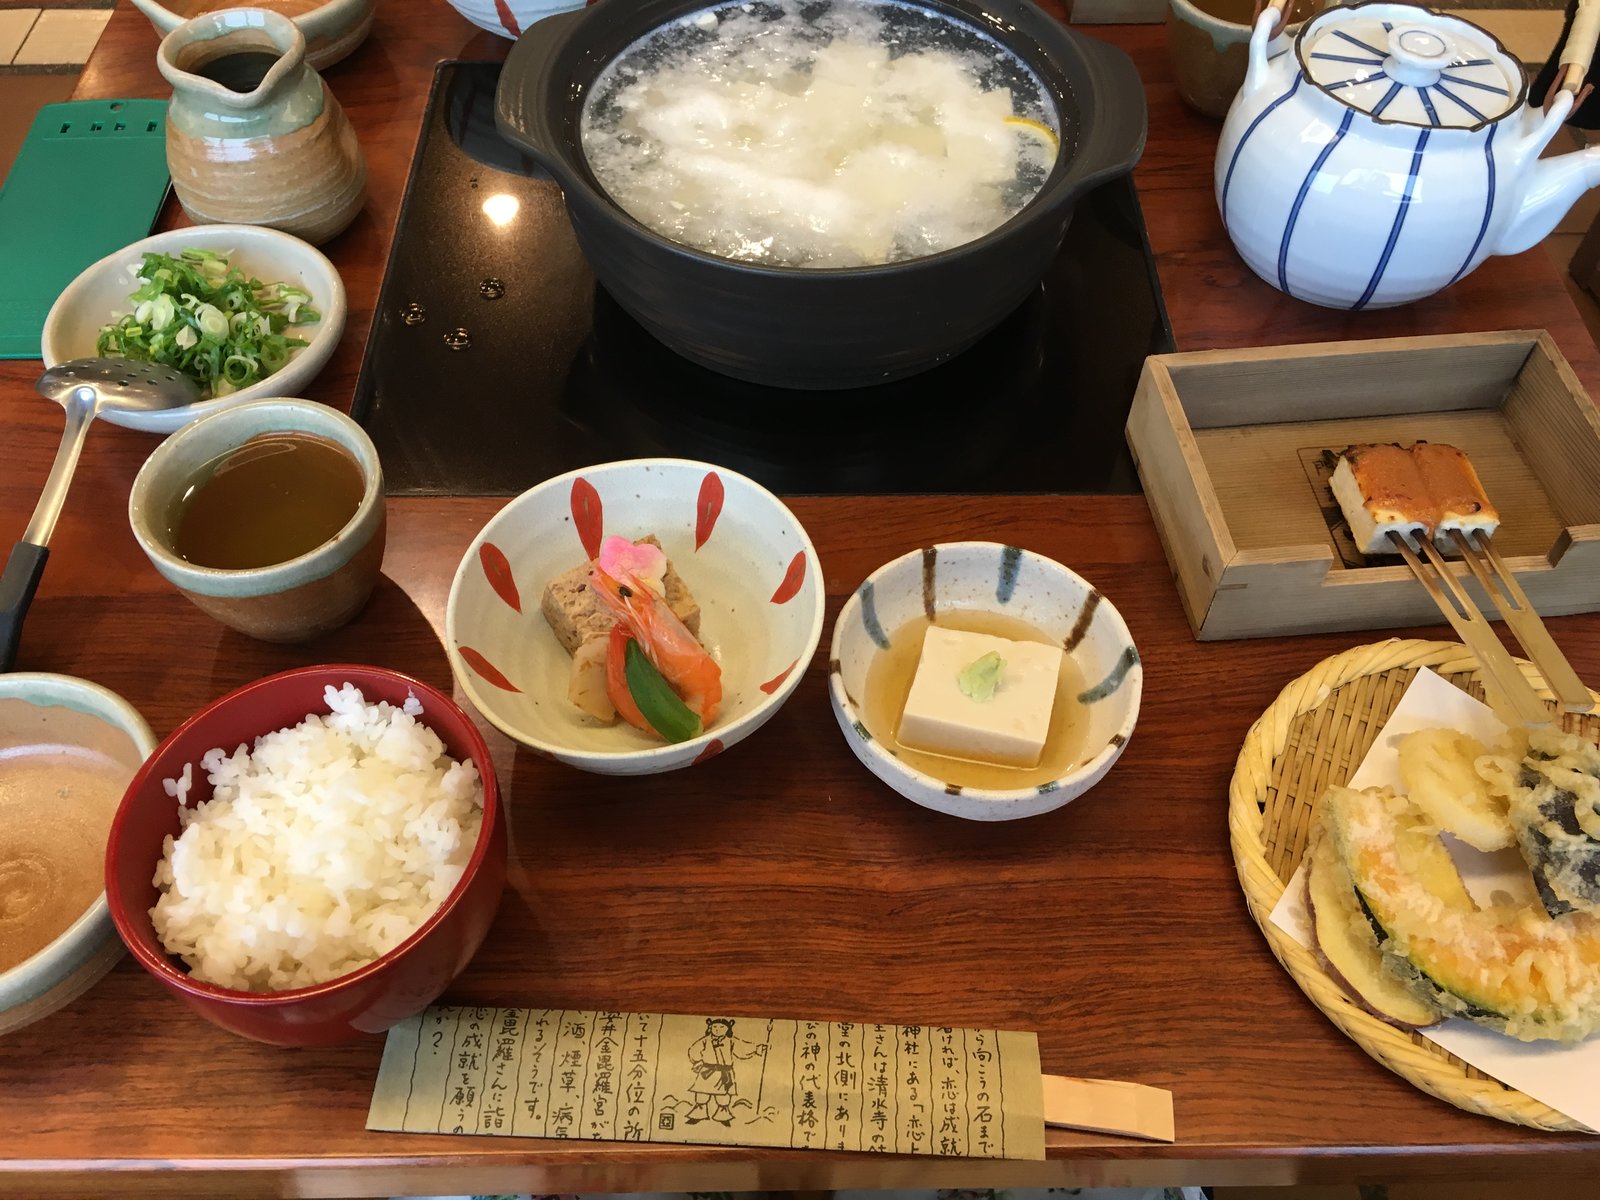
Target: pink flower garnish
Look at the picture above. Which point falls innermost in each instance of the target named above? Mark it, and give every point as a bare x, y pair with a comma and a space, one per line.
641, 562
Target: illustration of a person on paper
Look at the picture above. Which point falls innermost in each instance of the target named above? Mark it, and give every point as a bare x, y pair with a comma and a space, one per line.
712, 1061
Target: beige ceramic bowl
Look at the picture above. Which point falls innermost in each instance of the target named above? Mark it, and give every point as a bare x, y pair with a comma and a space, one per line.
38, 710
332, 28
99, 296
291, 601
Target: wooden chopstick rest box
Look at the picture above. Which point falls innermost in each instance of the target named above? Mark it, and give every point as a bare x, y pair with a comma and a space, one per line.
1233, 449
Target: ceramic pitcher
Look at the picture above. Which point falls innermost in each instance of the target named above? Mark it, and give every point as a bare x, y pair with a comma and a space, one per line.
1387, 153
253, 133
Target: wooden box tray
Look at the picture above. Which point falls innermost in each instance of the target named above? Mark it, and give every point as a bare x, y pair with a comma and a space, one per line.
1230, 446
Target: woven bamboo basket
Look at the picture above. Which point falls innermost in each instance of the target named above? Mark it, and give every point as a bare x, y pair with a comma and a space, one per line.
1316, 733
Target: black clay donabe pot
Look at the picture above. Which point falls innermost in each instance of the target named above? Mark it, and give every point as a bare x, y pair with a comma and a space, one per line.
831, 327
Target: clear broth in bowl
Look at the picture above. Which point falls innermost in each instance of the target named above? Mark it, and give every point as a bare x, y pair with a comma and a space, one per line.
889, 683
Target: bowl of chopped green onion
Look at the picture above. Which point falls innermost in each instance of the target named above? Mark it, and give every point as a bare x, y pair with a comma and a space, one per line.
244, 311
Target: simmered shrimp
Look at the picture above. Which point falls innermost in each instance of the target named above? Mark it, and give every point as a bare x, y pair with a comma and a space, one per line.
683, 662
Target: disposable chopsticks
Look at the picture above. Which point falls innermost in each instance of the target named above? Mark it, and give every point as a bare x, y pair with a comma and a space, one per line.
1109, 1106
1505, 687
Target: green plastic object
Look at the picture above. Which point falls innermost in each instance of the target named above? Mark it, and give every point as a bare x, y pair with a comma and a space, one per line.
89, 179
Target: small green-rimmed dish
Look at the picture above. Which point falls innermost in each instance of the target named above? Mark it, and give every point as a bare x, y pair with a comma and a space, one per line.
991, 578
59, 735
291, 601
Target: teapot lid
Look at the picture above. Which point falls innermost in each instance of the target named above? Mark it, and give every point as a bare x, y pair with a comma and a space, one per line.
1410, 66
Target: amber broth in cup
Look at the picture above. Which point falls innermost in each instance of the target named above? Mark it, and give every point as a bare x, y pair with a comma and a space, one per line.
274, 498
889, 683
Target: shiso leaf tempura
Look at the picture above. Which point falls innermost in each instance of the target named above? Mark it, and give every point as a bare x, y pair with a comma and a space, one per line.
322, 848
209, 320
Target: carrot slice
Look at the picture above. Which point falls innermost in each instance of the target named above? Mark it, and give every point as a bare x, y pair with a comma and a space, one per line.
617, 679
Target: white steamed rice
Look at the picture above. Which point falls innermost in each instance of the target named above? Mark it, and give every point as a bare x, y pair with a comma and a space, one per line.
320, 851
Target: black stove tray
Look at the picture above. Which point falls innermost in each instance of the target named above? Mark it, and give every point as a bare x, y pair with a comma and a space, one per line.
494, 361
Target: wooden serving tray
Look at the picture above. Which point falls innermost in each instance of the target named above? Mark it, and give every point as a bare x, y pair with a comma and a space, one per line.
1230, 446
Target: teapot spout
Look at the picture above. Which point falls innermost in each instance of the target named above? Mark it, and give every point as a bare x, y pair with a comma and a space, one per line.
1554, 188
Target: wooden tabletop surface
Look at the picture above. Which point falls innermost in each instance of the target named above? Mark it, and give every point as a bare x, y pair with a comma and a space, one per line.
779, 879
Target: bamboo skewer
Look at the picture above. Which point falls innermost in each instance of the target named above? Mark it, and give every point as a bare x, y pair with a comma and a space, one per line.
1576, 55
1578, 52
1505, 687
1501, 586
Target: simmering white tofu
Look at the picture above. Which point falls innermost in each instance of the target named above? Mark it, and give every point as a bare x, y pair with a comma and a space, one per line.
1008, 728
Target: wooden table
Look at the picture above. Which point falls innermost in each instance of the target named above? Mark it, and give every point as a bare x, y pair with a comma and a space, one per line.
778, 879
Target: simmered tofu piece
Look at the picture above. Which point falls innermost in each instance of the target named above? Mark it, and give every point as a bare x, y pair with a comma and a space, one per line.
1381, 491
964, 704
1448, 475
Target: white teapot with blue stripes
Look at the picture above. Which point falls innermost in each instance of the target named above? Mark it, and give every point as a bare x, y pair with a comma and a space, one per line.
1386, 152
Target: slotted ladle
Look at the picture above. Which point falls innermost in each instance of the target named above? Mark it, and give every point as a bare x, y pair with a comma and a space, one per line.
84, 387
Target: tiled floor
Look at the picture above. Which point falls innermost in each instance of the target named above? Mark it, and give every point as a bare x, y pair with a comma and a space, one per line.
33, 37
41, 52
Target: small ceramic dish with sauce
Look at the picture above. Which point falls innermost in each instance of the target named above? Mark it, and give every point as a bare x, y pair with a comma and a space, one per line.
1001, 591
68, 750
99, 296
270, 517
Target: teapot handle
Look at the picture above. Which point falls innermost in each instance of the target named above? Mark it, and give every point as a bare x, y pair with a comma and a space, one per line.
1270, 20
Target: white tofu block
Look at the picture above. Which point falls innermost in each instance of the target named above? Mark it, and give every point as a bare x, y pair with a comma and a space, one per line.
1009, 728
1369, 524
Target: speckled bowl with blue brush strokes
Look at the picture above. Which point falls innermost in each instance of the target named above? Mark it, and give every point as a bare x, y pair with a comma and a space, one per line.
990, 577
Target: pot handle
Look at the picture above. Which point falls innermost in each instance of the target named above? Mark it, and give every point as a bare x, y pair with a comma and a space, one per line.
1116, 137
519, 113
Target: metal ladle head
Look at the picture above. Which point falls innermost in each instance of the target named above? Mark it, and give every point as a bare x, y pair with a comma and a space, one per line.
119, 384
84, 387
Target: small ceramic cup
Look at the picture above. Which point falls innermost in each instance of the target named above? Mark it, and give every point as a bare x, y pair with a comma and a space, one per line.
39, 710
1209, 42
291, 601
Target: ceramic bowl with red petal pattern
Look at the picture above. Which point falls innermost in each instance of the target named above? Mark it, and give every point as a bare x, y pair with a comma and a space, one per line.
744, 557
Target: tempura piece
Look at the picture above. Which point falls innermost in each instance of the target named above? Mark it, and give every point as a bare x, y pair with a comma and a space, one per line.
1509, 968
1553, 794
1437, 767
